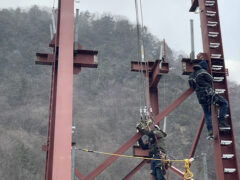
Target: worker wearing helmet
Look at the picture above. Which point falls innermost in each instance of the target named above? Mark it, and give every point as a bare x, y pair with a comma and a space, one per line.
201, 81
157, 150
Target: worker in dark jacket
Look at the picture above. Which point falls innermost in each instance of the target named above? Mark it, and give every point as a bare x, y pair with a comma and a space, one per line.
202, 81
157, 150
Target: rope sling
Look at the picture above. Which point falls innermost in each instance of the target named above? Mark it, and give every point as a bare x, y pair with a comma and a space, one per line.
187, 173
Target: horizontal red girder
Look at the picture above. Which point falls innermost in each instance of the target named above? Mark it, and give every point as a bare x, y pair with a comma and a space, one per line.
82, 58
139, 152
149, 66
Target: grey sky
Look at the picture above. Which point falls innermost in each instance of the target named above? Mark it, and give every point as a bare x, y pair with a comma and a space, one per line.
167, 19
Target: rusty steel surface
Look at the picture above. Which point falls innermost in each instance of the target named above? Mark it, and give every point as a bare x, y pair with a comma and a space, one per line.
130, 174
63, 114
173, 105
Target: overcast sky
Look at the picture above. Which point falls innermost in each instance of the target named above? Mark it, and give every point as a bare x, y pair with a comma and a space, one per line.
167, 19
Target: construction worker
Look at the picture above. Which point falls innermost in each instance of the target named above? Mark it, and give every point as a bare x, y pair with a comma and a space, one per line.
157, 150
201, 81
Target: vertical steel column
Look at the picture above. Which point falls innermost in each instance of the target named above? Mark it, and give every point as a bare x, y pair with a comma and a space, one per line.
51, 123
226, 168
63, 116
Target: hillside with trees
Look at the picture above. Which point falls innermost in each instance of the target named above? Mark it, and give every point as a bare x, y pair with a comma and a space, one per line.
106, 99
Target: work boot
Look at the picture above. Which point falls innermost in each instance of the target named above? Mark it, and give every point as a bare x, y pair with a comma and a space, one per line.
223, 125
210, 135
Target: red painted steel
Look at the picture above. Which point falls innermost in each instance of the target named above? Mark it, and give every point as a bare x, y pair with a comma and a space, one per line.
63, 115
138, 151
142, 66
82, 58
130, 174
176, 171
111, 159
155, 75
173, 105
133, 139
51, 122
211, 51
196, 139
78, 174
217, 150
147, 91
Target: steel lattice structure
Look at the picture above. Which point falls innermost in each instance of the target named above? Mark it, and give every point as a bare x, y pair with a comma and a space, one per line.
66, 61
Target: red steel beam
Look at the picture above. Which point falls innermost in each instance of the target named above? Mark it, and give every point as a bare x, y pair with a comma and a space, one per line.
196, 139
155, 75
132, 140
78, 174
142, 66
129, 175
111, 159
82, 58
51, 123
174, 104
217, 151
176, 171
139, 152
63, 115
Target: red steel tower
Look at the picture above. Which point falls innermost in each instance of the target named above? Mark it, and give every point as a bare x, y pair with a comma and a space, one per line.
65, 61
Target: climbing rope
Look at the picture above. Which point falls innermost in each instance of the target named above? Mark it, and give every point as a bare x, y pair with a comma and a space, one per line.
143, 85
138, 56
187, 173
